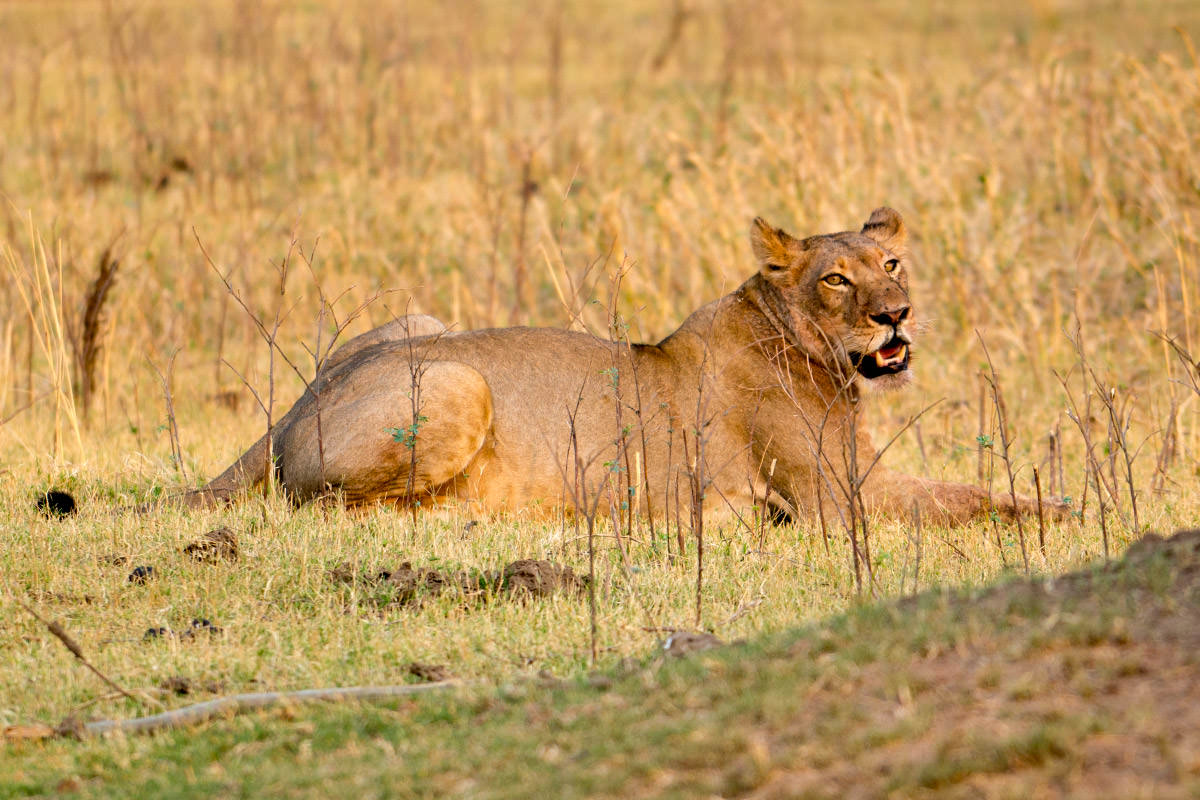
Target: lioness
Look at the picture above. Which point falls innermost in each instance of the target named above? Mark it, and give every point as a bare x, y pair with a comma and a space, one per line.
755, 399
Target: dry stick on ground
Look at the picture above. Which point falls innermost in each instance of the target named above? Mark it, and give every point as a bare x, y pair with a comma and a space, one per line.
1005, 440
77, 651
225, 707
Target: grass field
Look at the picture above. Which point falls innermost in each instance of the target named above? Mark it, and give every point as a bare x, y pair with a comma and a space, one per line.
553, 164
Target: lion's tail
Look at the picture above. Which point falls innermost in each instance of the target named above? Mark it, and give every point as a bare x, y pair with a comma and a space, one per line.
247, 472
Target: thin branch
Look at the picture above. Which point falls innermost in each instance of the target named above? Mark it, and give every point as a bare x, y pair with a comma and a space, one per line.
77, 651
224, 707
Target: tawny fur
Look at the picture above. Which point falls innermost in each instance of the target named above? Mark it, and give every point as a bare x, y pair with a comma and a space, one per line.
758, 391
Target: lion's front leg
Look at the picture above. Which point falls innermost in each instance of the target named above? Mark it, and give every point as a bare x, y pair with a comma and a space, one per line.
945, 503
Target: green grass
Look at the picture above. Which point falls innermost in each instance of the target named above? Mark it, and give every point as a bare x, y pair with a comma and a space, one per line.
723, 721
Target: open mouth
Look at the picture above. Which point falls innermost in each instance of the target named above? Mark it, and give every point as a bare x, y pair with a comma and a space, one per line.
887, 360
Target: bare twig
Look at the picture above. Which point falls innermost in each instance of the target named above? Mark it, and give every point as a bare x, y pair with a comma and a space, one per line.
1005, 440
172, 426
1037, 484
679, 15
77, 651
915, 538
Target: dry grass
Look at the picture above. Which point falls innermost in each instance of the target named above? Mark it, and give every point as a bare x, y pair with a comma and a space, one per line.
1045, 154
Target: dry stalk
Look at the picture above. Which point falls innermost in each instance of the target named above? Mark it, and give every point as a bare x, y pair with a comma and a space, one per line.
172, 424
586, 507
1091, 469
915, 539
982, 438
1005, 441
521, 302
1170, 436
679, 16
1037, 484
1167, 452
411, 435
1190, 364
87, 334
1118, 418
270, 336
39, 291
698, 477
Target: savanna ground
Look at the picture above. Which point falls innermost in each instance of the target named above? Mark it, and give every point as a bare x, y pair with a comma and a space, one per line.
596, 165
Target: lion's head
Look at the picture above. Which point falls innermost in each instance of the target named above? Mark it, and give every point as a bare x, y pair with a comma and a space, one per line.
844, 296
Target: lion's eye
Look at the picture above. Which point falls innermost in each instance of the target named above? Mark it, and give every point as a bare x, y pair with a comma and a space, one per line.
891, 264
835, 279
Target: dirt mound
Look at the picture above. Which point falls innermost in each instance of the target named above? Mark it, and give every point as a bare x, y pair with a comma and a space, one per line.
219, 544
407, 584
430, 673
538, 578
1081, 685
1184, 544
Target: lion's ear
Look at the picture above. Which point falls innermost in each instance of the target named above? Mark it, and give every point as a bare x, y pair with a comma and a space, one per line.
887, 228
773, 247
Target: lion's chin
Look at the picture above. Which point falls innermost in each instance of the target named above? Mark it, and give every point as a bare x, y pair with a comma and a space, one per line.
884, 383
886, 366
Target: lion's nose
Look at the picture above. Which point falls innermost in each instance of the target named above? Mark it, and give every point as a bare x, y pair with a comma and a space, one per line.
892, 317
